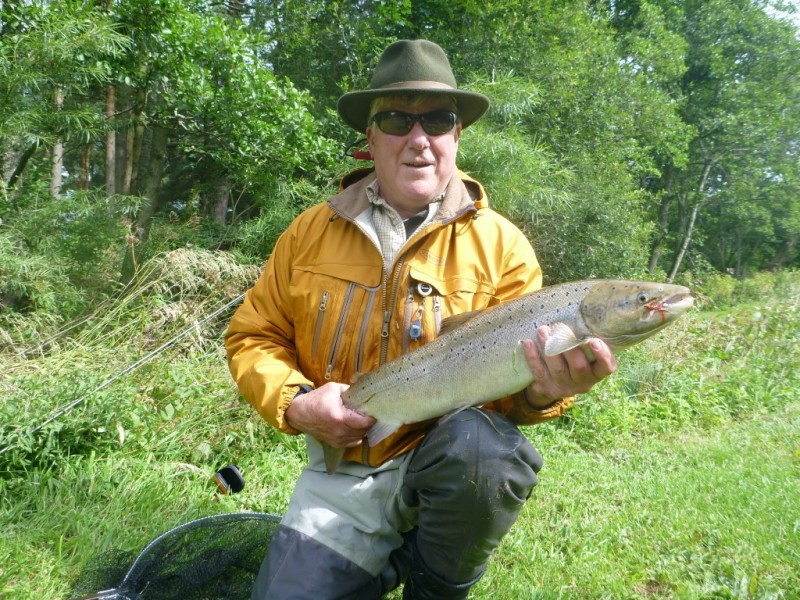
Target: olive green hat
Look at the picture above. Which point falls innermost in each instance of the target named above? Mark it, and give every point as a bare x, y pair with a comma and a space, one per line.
411, 67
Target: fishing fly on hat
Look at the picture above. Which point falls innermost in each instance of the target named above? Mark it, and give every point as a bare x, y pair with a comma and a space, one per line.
411, 67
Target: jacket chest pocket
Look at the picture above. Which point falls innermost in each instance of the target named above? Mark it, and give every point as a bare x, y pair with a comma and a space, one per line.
431, 298
422, 314
333, 318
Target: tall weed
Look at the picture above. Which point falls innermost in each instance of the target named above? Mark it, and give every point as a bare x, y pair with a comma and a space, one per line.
163, 308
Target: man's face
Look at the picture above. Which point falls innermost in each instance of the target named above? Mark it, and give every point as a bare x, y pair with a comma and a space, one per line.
415, 168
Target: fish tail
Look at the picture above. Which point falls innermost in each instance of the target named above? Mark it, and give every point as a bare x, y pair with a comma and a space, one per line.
333, 458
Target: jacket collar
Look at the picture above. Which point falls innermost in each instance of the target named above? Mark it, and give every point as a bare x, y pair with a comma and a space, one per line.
462, 196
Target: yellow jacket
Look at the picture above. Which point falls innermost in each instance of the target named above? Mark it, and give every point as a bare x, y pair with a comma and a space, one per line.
323, 309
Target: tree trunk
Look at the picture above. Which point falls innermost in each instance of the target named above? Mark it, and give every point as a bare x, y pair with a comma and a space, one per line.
85, 176
222, 197
783, 255
150, 186
133, 145
687, 238
57, 156
135, 160
111, 141
21, 164
663, 228
688, 230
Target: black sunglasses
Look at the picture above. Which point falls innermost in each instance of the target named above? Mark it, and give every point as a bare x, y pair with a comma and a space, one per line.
397, 122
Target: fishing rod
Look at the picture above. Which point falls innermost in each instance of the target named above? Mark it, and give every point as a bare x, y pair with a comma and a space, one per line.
68, 407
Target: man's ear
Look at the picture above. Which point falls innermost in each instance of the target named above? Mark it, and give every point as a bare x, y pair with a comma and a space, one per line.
369, 133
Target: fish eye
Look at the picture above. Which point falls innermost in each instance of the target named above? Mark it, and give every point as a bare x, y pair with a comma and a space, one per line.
642, 298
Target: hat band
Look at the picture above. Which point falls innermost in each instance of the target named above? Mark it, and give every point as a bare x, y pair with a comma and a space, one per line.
433, 85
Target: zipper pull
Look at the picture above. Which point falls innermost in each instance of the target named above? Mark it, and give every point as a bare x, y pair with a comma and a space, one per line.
437, 314
387, 317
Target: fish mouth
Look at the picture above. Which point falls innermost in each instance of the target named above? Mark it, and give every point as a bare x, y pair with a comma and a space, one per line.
678, 302
666, 308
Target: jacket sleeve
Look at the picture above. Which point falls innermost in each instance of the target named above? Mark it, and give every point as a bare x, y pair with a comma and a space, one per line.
521, 275
260, 340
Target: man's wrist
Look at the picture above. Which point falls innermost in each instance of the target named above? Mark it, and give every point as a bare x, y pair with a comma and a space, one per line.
538, 403
303, 388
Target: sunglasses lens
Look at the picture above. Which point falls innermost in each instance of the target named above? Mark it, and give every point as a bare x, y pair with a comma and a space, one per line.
438, 122
395, 122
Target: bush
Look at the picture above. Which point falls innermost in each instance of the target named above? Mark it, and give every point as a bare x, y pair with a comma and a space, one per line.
757, 288
717, 290
164, 316
58, 260
723, 291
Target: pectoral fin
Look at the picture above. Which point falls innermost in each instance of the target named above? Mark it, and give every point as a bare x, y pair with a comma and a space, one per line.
333, 458
561, 339
455, 321
380, 431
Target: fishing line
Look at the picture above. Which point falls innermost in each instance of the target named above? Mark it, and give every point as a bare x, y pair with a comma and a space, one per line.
68, 407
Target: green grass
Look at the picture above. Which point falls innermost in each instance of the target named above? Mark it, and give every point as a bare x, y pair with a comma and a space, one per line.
679, 477
689, 514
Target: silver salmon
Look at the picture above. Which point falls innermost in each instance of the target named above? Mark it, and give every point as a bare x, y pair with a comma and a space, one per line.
479, 358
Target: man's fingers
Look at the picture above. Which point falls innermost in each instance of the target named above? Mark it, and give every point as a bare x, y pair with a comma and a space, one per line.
605, 362
572, 372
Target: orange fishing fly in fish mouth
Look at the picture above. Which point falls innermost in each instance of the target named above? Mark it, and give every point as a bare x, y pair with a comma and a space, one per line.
659, 306
662, 305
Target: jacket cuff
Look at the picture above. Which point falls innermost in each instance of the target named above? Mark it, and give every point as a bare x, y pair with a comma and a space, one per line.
517, 409
288, 394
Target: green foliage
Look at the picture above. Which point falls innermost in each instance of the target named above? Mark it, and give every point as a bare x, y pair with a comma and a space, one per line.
44, 46
255, 238
59, 259
739, 97
719, 291
584, 220
604, 118
233, 120
168, 297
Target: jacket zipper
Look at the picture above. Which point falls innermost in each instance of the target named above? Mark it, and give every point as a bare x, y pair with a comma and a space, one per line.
388, 307
437, 315
323, 306
408, 316
362, 336
337, 336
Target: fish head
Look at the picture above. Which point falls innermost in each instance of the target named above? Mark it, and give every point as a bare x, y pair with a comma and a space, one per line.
622, 313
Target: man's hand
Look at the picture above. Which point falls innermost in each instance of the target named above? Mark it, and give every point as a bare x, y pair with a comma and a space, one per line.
321, 414
565, 374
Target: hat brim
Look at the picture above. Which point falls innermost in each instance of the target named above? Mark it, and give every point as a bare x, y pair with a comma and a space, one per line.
353, 107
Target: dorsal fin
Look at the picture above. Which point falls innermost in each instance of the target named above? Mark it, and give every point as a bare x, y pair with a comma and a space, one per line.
454, 321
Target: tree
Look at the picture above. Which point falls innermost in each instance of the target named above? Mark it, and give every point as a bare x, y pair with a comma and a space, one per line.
50, 56
207, 106
739, 97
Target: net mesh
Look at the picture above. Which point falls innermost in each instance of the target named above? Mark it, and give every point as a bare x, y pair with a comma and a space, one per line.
213, 558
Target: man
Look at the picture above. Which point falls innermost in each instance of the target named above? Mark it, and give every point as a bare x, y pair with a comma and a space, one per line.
359, 280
